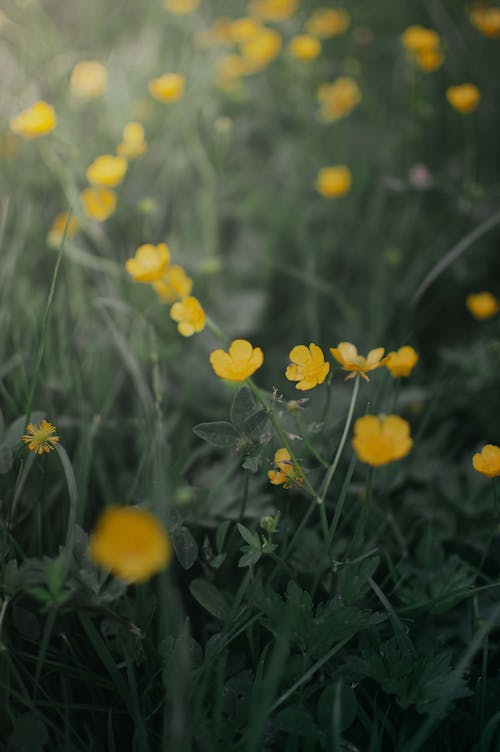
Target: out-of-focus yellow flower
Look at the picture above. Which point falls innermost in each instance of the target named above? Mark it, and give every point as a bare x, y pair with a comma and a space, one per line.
174, 285
133, 144
487, 462
273, 10
149, 262
181, 7
285, 473
463, 98
98, 203
130, 543
107, 171
482, 305
333, 182
308, 366
40, 438
89, 79
244, 29
229, 71
338, 99
304, 47
419, 38
380, 440
189, 315
36, 121
261, 49
486, 20
218, 33
402, 362
239, 363
167, 88
429, 60
347, 355
56, 232
328, 22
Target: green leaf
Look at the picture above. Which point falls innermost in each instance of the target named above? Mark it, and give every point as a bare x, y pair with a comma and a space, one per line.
185, 546
220, 535
249, 558
251, 464
220, 433
243, 406
6, 458
209, 598
251, 538
256, 424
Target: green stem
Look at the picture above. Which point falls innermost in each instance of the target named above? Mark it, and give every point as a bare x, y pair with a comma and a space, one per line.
245, 496
73, 500
360, 527
307, 443
496, 518
215, 329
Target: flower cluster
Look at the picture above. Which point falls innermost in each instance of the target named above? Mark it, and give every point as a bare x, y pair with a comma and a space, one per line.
424, 47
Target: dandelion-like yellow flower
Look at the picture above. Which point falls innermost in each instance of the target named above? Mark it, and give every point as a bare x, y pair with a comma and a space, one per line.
98, 203
285, 473
487, 462
308, 366
380, 440
34, 122
181, 7
174, 285
347, 355
40, 438
328, 22
463, 98
261, 49
89, 79
133, 144
305, 47
167, 88
239, 363
333, 182
149, 263
56, 232
107, 171
130, 543
486, 20
273, 10
419, 38
402, 362
338, 99
482, 305
189, 314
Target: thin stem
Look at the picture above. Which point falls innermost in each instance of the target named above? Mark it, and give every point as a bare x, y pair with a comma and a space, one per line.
496, 518
245, 496
360, 527
307, 443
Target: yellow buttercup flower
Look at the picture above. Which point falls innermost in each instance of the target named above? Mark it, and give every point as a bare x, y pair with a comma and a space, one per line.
402, 362
308, 366
419, 38
380, 440
107, 171
482, 305
181, 7
429, 60
130, 543
463, 98
347, 355
261, 49
189, 314
244, 29
239, 363
56, 232
40, 438
273, 10
333, 182
486, 20
487, 462
149, 263
328, 22
174, 285
305, 47
338, 99
89, 79
98, 203
36, 121
133, 144
285, 472
167, 88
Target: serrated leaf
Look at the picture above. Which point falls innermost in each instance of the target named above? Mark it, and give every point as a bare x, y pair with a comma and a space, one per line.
256, 424
209, 598
185, 546
251, 538
243, 406
220, 433
16, 429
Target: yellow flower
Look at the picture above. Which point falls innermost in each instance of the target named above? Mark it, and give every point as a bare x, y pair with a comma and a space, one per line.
273, 10
189, 314
167, 88
261, 49
419, 38
181, 7
347, 355
107, 171
133, 144
98, 203
380, 440
482, 305
149, 263
174, 285
36, 121
464, 98
308, 366
402, 362
89, 79
130, 543
333, 182
55, 234
488, 461
244, 29
40, 438
230, 69
305, 47
429, 60
328, 22
239, 363
285, 473
338, 99
486, 20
